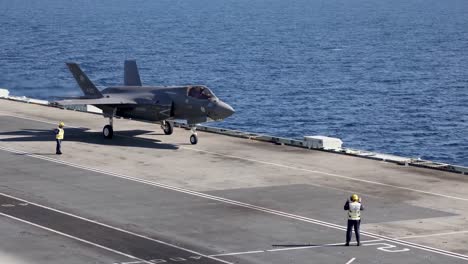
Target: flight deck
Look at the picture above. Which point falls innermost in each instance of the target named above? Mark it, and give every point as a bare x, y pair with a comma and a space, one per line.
146, 197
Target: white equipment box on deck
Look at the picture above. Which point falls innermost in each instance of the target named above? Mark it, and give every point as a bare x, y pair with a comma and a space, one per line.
4, 93
322, 142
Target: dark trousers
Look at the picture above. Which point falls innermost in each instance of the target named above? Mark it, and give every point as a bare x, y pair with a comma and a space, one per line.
59, 146
349, 230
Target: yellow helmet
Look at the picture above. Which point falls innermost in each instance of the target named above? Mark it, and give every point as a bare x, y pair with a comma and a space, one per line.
61, 124
354, 198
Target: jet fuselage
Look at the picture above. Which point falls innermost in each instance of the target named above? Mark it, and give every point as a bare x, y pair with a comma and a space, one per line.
173, 102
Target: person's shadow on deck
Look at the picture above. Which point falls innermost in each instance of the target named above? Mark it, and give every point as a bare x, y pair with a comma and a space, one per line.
308, 245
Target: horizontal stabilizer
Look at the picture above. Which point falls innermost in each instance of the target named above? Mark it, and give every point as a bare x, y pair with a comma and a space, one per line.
99, 101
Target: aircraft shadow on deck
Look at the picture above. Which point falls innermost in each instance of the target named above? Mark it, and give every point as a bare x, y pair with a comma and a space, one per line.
83, 135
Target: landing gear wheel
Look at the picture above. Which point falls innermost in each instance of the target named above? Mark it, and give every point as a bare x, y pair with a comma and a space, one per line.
167, 128
193, 139
108, 131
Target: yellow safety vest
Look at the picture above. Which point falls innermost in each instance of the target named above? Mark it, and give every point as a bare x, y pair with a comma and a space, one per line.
354, 212
60, 133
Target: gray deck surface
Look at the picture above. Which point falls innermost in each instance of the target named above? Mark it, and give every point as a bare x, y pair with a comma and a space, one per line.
144, 197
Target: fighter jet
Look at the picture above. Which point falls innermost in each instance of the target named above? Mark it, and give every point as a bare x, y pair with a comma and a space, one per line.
159, 104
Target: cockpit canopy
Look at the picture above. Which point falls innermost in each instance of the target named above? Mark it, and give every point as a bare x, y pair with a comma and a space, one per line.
200, 92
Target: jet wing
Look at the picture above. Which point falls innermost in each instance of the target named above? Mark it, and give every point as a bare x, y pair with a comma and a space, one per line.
99, 101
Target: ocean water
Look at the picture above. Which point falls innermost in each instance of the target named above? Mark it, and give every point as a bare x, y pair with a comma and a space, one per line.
387, 76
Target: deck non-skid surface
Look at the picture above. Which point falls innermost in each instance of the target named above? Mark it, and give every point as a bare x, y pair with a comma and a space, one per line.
56, 206
132, 218
94, 232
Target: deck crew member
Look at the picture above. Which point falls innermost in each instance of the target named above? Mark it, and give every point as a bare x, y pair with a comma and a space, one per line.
59, 134
354, 208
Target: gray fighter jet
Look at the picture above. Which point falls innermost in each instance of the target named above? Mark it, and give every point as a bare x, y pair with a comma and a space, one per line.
193, 103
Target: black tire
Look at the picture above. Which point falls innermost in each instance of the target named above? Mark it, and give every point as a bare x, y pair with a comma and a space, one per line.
168, 128
108, 131
193, 139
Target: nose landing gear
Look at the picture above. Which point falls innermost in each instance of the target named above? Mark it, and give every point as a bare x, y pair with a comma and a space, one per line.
193, 137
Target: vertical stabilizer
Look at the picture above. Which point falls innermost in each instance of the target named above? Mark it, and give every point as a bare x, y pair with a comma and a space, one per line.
131, 74
89, 89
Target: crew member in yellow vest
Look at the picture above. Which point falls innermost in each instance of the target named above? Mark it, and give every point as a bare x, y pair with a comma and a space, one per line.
59, 134
354, 208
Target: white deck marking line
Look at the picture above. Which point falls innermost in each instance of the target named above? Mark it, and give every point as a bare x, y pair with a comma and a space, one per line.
131, 262
286, 249
33, 119
246, 205
238, 253
115, 228
437, 234
326, 173
277, 164
351, 261
76, 238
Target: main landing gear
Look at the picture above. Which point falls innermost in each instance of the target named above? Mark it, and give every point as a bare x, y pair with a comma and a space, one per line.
108, 131
193, 137
167, 127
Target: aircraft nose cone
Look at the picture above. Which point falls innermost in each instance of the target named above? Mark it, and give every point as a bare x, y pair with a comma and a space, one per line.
224, 110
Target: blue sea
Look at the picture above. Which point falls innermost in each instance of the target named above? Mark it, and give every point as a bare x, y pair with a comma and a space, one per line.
386, 76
